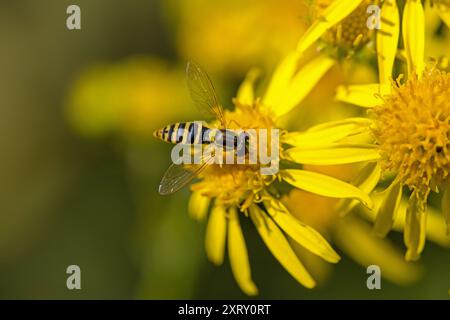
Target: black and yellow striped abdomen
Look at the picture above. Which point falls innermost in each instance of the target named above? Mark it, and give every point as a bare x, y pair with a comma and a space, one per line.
182, 132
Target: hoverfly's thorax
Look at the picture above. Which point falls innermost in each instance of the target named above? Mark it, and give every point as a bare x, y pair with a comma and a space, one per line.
225, 138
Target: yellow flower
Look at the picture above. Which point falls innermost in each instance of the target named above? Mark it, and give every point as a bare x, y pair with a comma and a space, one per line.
410, 128
346, 27
229, 36
129, 97
343, 24
230, 188
350, 32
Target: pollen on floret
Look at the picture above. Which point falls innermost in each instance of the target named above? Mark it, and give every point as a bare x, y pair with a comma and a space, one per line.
412, 129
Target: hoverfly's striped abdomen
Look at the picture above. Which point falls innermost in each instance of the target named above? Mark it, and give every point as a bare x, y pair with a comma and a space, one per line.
183, 132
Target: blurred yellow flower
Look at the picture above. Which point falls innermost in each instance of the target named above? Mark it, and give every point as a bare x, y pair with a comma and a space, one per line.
230, 36
131, 97
228, 188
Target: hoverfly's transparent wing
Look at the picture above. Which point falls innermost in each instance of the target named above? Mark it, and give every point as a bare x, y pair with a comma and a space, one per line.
202, 91
177, 176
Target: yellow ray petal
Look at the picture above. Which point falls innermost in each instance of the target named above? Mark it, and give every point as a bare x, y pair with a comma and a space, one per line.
320, 270
198, 206
388, 209
336, 12
246, 94
413, 30
327, 133
445, 205
387, 40
280, 79
435, 227
354, 238
338, 153
302, 83
304, 235
237, 252
288, 86
215, 235
324, 185
278, 245
415, 227
356, 122
365, 95
366, 181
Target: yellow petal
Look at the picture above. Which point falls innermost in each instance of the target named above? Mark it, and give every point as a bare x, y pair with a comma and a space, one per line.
246, 94
237, 252
354, 238
327, 133
415, 227
280, 79
320, 270
388, 209
387, 40
324, 185
337, 11
445, 204
278, 245
339, 153
198, 206
288, 86
365, 95
304, 235
413, 30
366, 181
215, 235
435, 227
302, 84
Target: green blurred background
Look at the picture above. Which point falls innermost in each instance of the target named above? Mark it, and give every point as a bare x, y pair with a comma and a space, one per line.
80, 169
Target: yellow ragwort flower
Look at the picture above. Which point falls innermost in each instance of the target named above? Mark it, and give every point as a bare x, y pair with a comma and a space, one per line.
350, 32
410, 126
343, 24
127, 97
231, 189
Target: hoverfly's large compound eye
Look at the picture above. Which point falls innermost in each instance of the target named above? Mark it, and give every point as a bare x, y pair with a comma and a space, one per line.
243, 140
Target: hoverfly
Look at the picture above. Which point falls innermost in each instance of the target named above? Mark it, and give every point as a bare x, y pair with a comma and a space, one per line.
204, 96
